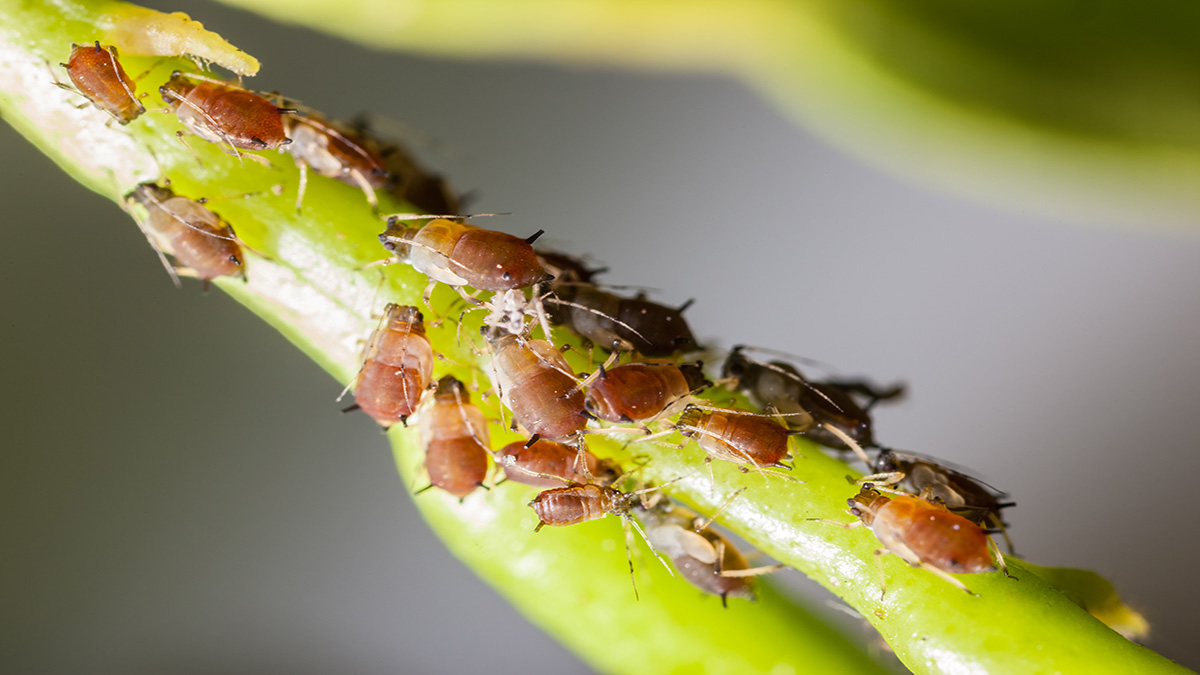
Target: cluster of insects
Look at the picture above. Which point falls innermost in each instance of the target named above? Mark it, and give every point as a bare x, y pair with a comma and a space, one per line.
651, 384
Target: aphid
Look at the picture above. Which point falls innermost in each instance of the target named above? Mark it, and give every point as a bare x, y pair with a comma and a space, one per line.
638, 392
968, 497
397, 367
579, 503
537, 385
334, 150
455, 435
925, 534
201, 243
549, 464
702, 556
97, 75
459, 254
224, 113
736, 436
807, 407
621, 324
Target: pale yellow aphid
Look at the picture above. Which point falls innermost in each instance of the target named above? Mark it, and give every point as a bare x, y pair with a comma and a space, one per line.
137, 31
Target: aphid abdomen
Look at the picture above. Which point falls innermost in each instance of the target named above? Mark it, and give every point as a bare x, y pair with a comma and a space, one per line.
933, 535
705, 577
661, 330
210, 253
496, 261
523, 464
225, 114
742, 439
397, 367
547, 403
635, 392
456, 465
98, 75
574, 504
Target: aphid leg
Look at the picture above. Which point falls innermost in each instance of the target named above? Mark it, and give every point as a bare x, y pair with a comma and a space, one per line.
428, 293
845, 526
947, 577
753, 571
369, 191
879, 553
180, 135
302, 186
999, 557
649, 545
850, 442
700, 526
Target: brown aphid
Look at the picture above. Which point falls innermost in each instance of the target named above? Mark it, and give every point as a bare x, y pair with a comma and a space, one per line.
202, 244
962, 494
549, 464
925, 534
639, 392
806, 406
703, 557
224, 113
736, 436
455, 435
620, 324
335, 150
536, 384
459, 254
397, 367
576, 504
97, 75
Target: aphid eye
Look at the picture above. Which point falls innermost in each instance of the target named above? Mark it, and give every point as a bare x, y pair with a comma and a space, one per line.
234, 259
506, 276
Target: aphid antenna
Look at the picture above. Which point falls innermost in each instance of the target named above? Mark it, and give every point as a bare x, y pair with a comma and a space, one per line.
789, 375
212, 123
462, 412
151, 238
394, 217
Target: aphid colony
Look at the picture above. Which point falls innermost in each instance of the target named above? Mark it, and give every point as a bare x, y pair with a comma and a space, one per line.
927, 514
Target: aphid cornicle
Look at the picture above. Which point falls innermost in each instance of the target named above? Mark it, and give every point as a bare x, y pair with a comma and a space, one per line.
201, 243
459, 254
705, 559
806, 406
925, 534
334, 150
931, 481
97, 75
621, 324
637, 392
224, 113
455, 436
397, 367
539, 462
536, 384
736, 436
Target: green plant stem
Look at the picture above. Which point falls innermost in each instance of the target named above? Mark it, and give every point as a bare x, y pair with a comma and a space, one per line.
306, 277
1085, 112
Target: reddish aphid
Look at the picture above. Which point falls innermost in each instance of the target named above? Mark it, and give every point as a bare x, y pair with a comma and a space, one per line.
925, 534
637, 392
549, 464
455, 435
962, 494
334, 150
536, 384
459, 254
224, 113
736, 436
98, 76
397, 367
201, 243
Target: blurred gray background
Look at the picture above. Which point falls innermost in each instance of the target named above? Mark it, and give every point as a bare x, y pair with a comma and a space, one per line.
179, 494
